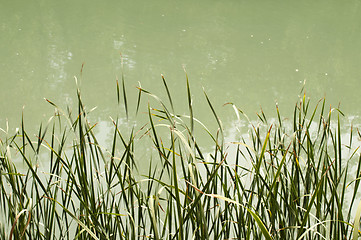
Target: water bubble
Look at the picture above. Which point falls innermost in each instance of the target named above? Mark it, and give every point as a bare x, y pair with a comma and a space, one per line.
251, 35
326, 74
296, 70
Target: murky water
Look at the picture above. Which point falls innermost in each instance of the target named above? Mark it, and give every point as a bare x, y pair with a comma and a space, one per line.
251, 53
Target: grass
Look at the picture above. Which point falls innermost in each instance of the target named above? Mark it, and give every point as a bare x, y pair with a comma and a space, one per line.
281, 180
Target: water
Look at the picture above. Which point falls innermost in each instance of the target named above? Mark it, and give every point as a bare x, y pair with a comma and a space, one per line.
252, 53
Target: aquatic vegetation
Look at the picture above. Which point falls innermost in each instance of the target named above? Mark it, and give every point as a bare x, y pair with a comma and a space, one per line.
277, 181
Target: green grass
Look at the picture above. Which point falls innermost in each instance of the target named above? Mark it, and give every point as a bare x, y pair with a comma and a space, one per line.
296, 179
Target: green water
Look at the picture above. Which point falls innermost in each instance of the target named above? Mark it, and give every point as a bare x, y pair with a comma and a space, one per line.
251, 53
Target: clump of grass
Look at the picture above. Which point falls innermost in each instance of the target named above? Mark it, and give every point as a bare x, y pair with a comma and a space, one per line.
279, 181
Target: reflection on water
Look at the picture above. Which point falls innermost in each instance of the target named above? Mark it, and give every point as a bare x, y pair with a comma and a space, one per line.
130, 63
57, 61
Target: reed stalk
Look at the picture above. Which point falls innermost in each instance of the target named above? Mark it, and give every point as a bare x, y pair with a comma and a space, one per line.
278, 179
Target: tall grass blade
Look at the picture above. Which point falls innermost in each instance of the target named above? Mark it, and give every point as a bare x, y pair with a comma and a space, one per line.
355, 233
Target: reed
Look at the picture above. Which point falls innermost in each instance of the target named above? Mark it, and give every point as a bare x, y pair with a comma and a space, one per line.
295, 179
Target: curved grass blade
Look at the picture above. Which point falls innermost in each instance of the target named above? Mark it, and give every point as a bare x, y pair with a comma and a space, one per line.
255, 216
356, 226
168, 93
91, 233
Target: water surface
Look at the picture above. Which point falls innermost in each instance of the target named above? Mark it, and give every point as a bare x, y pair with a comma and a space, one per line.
252, 53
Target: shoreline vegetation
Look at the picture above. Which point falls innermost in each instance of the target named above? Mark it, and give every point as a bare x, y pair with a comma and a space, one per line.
280, 183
